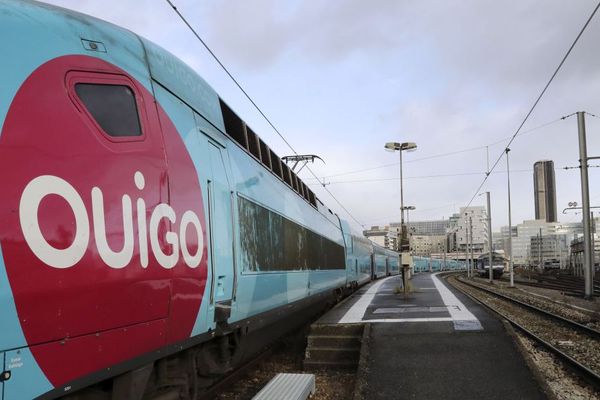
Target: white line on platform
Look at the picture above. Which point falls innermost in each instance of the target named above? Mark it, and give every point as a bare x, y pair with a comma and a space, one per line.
357, 311
441, 319
463, 319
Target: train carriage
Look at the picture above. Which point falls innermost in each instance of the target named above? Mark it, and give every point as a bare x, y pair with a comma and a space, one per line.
379, 262
145, 226
483, 265
359, 261
392, 262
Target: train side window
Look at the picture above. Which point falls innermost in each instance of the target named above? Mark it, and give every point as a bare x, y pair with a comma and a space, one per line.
300, 187
276, 164
286, 173
113, 107
253, 146
234, 126
294, 181
305, 192
265, 154
312, 198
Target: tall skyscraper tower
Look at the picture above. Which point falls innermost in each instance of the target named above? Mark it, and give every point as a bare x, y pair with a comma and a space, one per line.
544, 187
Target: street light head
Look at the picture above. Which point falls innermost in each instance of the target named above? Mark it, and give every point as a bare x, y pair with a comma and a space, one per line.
392, 146
408, 146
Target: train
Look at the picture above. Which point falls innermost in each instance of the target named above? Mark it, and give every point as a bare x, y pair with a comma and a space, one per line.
482, 265
430, 264
150, 240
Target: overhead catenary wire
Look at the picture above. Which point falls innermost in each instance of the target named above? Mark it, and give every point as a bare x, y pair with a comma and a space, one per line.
423, 210
235, 81
536, 102
417, 177
367, 180
440, 155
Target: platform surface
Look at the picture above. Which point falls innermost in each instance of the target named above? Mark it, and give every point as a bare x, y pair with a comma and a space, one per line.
435, 344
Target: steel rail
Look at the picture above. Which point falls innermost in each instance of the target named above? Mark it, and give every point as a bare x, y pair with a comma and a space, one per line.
589, 375
238, 374
590, 331
566, 285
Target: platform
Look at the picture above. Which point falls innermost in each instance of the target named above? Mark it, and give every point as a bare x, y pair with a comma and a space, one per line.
383, 301
434, 344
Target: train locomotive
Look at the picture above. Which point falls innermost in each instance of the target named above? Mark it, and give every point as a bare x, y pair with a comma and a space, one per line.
482, 265
150, 241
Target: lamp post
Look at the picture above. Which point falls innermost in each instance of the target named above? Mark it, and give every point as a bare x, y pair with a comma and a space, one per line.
400, 147
490, 241
407, 209
510, 252
408, 229
489, 221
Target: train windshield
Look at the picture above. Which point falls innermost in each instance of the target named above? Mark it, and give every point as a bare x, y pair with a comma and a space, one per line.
485, 261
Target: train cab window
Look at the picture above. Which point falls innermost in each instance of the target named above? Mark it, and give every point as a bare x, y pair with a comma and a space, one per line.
112, 106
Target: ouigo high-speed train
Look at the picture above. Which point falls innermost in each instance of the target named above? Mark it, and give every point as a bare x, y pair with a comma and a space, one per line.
150, 241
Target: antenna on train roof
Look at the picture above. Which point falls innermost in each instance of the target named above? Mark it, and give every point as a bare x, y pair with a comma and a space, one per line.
301, 158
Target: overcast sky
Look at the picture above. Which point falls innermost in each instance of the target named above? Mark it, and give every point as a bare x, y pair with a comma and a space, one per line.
341, 78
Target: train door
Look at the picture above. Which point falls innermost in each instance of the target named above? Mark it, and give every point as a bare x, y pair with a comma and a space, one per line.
221, 233
373, 272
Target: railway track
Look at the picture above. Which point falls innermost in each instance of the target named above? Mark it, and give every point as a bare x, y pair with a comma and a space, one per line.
237, 375
569, 285
577, 345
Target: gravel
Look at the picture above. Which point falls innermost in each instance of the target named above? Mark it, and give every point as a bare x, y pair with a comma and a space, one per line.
563, 384
330, 385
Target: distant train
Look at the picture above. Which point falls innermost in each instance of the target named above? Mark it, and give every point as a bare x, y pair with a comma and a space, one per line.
482, 265
150, 241
428, 264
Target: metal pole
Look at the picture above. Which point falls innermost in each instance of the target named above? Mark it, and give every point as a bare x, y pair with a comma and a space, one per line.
510, 258
401, 193
403, 236
593, 240
467, 247
471, 248
489, 220
585, 200
445, 250
540, 252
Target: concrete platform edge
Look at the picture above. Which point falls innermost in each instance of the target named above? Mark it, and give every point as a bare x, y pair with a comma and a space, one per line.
360, 384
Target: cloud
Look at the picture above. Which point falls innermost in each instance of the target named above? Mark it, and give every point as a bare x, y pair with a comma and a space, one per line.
340, 78
257, 34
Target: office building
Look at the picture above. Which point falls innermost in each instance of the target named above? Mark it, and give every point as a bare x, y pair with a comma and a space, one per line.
544, 186
478, 217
